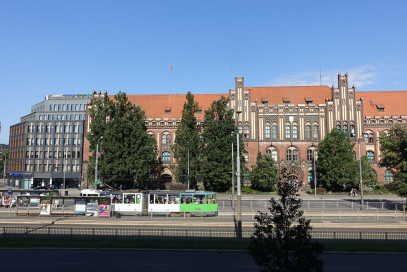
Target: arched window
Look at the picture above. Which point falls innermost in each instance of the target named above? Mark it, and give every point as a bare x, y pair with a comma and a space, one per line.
166, 156
268, 152
295, 131
352, 130
366, 138
370, 156
309, 155
338, 127
295, 155
274, 132
287, 132
308, 132
246, 131
388, 176
345, 129
166, 138
310, 176
274, 155
267, 132
371, 139
315, 132
288, 155
240, 129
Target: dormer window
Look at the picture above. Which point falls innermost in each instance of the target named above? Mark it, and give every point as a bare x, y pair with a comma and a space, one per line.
265, 101
167, 110
380, 107
286, 100
199, 111
308, 100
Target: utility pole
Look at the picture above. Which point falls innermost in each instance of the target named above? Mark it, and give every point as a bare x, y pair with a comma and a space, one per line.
239, 197
188, 164
96, 166
233, 177
360, 176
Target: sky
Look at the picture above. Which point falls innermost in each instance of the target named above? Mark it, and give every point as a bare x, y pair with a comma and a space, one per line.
72, 47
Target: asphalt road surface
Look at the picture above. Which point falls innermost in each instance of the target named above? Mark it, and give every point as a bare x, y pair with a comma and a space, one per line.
175, 261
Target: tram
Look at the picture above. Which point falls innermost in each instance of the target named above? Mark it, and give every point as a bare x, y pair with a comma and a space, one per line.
188, 203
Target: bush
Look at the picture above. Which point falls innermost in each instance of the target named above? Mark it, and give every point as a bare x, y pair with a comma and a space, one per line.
320, 191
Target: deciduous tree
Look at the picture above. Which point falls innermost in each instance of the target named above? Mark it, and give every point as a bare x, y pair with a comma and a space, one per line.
264, 174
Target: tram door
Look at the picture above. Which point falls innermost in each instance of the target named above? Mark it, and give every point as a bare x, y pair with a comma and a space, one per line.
130, 203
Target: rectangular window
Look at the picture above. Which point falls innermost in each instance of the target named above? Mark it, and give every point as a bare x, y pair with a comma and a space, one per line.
287, 132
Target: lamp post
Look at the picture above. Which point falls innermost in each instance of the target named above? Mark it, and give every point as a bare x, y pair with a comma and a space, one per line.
233, 177
315, 171
4, 167
239, 197
96, 166
360, 176
188, 164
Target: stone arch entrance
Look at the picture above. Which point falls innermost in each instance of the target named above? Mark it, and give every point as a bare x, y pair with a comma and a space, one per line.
165, 178
295, 173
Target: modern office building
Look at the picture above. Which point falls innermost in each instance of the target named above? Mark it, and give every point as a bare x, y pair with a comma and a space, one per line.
284, 122
46, 147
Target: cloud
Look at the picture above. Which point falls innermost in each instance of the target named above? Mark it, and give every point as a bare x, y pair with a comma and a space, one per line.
360, 76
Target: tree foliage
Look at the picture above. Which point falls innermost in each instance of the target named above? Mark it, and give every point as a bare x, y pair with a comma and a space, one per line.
335, 163
216, 147
369, 176
187, 140
394, 155
264, 173
282, 237
126, 150
3, 156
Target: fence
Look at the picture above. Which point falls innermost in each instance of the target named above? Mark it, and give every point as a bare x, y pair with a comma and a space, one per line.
112, 233
317, 205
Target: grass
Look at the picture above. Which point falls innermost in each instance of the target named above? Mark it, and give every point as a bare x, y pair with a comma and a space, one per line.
351, 246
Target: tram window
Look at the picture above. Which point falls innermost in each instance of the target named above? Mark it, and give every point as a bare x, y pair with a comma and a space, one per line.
186, 199
173, 199
208, 199
214, 199
138, 199
151, 199
160, 199
130, 199
198, 199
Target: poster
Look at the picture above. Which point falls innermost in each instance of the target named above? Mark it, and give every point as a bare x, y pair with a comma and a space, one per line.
104, 207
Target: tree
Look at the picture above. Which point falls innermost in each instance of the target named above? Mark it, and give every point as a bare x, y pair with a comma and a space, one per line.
126, 150
187, 140
217, 139
3, 157
369, 176
282, 238
394, 155
335, 162
264, 173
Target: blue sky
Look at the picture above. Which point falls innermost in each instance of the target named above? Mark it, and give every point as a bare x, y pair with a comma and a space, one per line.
67, 47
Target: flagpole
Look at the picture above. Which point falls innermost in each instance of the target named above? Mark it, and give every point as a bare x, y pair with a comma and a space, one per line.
170, 78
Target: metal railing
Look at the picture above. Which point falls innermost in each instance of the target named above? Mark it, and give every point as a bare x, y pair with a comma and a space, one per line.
114, 233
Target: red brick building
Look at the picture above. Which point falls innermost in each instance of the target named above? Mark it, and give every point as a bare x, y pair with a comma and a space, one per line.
284, 122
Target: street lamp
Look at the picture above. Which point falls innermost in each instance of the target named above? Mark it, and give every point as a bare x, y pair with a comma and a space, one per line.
360, 176
188, 164
315, 170
233, 177
96, 166
239, 197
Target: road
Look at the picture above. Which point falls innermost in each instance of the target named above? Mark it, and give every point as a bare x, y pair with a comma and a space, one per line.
43, 260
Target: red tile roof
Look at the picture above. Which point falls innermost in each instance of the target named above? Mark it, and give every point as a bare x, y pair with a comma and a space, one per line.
394, 102
156, 105
295, 94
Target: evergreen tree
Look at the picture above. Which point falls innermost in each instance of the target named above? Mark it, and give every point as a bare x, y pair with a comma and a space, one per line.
369, 176
217, 139
282, 238
3, 157
264, 173
394, 155
187, 139
126, 150
335, 163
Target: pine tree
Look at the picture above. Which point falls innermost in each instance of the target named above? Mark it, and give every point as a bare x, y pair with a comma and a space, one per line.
187, 141
126, 150
217, 139
282, 239
264, 173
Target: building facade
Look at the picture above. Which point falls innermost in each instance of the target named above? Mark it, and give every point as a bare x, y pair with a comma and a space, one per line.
46, 147
283, 122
